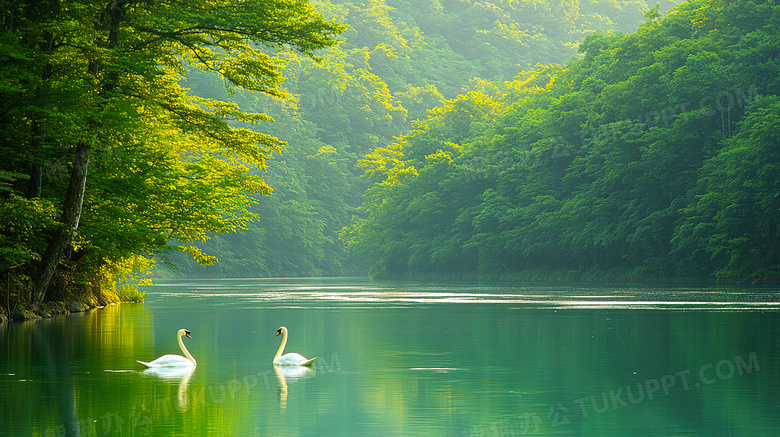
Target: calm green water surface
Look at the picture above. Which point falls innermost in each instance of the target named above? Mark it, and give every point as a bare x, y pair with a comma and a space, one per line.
403, 359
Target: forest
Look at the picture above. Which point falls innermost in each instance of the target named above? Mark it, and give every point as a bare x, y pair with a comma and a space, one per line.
563, 139
651, 156
396, 61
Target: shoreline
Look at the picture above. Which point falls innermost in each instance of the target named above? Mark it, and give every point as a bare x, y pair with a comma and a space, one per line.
46, 310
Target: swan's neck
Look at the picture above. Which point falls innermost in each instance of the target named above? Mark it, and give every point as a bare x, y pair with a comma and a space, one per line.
281, 346
186, 352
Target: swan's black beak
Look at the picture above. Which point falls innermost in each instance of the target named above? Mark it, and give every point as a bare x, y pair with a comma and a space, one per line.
187, 333
278, 331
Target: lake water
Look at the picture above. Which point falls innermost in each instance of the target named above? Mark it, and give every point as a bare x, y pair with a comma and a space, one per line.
403, 359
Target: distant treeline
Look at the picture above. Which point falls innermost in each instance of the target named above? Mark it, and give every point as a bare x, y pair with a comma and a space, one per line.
654, 155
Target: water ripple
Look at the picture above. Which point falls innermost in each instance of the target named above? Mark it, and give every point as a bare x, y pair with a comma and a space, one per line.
325, 293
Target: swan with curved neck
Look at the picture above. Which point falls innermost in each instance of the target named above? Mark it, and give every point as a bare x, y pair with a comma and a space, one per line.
292, 358
171, 360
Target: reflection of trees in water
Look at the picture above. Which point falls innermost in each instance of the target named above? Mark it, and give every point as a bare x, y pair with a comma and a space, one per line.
56, 360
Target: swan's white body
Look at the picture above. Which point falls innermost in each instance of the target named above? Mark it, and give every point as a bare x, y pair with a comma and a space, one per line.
292, 358
171, 360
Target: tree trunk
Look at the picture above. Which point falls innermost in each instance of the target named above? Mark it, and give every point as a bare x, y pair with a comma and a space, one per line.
113, 15
36, 178
71, 214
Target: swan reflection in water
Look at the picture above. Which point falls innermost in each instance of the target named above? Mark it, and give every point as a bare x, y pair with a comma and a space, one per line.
289, 375
181, 375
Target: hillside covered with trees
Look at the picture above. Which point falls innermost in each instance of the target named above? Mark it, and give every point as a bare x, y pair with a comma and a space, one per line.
397, 60
652, 155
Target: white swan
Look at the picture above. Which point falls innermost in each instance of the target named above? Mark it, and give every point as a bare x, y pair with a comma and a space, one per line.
174, 360
292, 358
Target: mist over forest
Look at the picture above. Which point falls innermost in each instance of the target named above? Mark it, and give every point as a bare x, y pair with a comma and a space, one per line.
530, 140
396, 62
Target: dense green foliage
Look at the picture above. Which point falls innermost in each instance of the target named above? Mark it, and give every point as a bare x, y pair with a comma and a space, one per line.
398, 59
654, 155
106, 158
